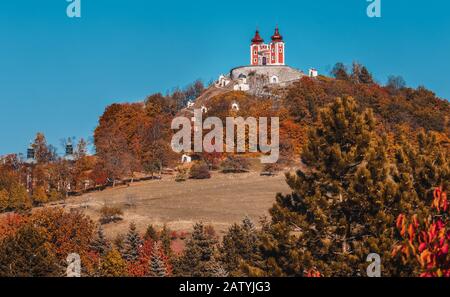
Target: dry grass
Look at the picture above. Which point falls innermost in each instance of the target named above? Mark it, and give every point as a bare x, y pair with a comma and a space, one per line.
220, 201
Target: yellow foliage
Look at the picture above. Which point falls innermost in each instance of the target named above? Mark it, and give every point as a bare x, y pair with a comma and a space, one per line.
113, 265
40, 196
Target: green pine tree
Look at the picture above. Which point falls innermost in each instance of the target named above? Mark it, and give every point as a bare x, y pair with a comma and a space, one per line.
166, 241
198, 254
365, 77
132, 244
239, 244
158, 267
151, 233
216, 269
344, 201
100, 244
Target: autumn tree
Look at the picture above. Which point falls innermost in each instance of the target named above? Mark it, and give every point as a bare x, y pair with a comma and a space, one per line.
27, 253
14, 195
68, 232
156, 152
44, 153
157, 104
395, 83
39, 196
112, 265
304, 100
339, 71
117, 139
10, 223
4, 200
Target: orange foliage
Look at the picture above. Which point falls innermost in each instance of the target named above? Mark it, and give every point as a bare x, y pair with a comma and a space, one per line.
68, 232
10, 223
427, 242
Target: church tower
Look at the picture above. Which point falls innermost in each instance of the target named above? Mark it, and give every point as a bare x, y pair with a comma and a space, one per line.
262, 54
255, 49
277, 48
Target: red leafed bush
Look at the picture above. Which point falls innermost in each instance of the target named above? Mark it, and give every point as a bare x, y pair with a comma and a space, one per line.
313, 273
427, 241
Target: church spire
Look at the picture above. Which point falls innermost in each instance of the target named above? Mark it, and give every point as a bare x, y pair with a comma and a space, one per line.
257, 39
277, 36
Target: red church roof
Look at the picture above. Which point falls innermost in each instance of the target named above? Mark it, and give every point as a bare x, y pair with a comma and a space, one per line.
277, 36
257, 39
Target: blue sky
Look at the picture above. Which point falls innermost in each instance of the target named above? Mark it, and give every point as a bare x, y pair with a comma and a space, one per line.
58, 74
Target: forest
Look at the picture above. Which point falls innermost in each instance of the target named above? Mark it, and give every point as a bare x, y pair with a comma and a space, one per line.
372, 176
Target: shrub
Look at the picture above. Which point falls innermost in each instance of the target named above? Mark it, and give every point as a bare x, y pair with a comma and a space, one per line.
271, 169
235, 164
182, 175
110, 214
199, 171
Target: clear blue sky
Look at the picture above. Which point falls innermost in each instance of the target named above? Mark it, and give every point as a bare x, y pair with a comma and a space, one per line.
58, 74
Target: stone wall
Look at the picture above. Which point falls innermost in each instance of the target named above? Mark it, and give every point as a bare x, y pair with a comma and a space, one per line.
283, 73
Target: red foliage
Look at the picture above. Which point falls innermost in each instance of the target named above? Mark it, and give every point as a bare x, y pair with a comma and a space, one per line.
427, 242
10, 223
313, 273
141, 267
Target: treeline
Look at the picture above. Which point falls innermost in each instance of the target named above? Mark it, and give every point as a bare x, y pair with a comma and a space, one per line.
396, 107
137, 137
130, 138
45, 178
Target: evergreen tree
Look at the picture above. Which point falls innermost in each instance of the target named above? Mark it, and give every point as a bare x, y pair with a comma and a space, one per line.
198, 254
132, 245
151, 234
356, 72
239, 244
430, 165
340, 72
343, 205
365, 77
100, 244
166, 241
158, 267
216, 269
